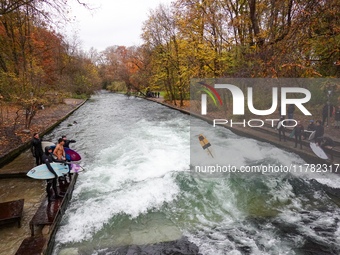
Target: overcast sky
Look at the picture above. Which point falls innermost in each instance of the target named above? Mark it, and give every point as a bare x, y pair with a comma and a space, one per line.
113, 23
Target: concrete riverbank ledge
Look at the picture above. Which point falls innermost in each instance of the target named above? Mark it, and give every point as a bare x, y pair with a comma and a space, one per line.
44, 224
8, 157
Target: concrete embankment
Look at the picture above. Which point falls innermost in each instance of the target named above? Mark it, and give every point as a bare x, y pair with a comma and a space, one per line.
33, 191
8, 157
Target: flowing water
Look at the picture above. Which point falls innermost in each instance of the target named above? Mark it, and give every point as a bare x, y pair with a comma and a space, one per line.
137, 189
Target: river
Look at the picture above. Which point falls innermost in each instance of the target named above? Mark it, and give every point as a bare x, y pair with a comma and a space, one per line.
137, 190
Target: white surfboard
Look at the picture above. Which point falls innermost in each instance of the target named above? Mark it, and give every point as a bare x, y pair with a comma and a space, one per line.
42, 172
46, 143
279, 125
318, 151
311, 136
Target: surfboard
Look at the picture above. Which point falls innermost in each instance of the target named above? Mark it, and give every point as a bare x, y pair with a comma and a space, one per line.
278, 125
292, 134
46, 143
76, 169
311, 136
42, 172
70, 154
318, 151
206, 146
73, 155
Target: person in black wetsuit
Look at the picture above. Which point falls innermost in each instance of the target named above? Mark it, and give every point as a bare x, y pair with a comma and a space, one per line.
311, 126
48, 159
319, 130
36, 149
299, 131
282, 129
310, 129
326, 142
67, 142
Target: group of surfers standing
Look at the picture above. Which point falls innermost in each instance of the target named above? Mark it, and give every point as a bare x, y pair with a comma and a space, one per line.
299, 132
49, 156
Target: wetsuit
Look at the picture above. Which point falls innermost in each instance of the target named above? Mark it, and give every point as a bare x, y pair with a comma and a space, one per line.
298, 133
311, 127
319, 130
282, 129
67, 143
37, 150
48, 159
324, 142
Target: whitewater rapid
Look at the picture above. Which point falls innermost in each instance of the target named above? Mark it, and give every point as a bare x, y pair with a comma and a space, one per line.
137, 188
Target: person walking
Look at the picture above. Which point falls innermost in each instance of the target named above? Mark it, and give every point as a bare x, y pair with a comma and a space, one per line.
326, 108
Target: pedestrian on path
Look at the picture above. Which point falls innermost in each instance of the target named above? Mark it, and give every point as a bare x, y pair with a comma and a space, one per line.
298, 133
326, 108
281, 128
337, 118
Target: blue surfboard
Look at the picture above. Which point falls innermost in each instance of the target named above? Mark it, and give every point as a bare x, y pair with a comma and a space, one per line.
42, 172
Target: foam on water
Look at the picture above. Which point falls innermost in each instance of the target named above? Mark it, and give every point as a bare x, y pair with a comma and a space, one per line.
137, 190
130, 177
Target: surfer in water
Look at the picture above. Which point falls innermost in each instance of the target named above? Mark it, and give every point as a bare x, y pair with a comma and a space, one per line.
59, 151
48, 159
67, 142
326, 142
36, 149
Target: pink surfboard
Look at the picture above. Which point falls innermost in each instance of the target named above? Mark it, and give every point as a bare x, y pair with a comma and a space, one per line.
72, 155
